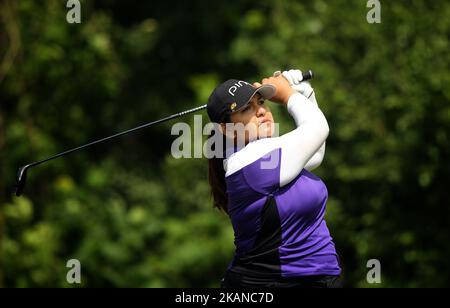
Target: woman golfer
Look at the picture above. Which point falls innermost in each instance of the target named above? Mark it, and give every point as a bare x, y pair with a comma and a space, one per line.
276, 205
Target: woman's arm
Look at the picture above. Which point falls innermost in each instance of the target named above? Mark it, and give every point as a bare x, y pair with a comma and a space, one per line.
274, 162
306, 89
317, 158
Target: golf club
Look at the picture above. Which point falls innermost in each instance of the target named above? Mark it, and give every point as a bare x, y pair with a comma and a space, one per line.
22, 172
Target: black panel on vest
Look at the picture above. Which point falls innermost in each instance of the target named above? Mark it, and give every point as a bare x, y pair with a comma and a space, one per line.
264, 259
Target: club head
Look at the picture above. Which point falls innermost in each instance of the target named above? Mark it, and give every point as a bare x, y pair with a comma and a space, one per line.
21, 179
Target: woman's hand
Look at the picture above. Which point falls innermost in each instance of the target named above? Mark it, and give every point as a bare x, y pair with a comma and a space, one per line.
283, 89
295, 79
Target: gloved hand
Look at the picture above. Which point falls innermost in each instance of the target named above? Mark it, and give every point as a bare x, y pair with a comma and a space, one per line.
295, 77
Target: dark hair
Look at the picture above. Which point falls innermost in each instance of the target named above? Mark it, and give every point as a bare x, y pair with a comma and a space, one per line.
216, 177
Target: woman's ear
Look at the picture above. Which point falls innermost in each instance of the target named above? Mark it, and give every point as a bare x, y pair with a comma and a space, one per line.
225, 132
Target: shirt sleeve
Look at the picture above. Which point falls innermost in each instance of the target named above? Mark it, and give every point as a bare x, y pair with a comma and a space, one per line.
316, 159
299, 145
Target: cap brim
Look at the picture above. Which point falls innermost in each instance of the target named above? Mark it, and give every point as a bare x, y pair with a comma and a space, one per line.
267, 91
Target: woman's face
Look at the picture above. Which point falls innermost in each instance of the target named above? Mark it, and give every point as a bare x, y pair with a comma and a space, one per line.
257, 119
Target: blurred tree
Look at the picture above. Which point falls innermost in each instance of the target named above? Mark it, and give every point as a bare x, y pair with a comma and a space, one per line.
135, 216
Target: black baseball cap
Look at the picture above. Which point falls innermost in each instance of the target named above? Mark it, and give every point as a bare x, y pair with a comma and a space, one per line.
232, 95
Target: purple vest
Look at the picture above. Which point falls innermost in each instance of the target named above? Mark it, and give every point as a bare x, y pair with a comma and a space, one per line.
279, 231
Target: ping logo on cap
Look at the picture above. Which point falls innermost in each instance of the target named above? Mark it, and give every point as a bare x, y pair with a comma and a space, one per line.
237, 85
233, 106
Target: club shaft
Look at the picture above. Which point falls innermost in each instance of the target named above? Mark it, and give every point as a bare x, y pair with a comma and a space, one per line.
118, 135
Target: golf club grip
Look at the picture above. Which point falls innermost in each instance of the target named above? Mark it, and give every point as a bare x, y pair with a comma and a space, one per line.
305, 76
308, 75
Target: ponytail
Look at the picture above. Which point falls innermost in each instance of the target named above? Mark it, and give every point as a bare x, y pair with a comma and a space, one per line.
216, 179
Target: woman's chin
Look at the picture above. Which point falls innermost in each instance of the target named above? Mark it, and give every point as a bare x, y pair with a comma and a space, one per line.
265, 131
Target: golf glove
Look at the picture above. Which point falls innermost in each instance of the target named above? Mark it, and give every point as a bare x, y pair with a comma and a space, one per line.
295, 77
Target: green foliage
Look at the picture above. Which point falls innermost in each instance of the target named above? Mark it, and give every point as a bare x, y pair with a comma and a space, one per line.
135, 216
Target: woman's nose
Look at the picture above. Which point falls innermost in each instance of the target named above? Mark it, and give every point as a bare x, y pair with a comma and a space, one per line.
260, 111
